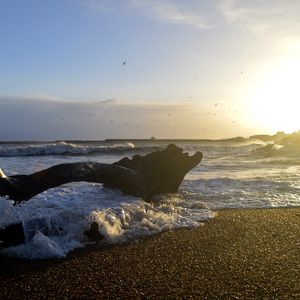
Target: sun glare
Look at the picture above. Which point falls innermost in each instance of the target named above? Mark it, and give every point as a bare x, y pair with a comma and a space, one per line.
275, 104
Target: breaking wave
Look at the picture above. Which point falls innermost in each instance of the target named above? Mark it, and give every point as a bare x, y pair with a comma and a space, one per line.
62, 216
279, 150
66, 148
231, 175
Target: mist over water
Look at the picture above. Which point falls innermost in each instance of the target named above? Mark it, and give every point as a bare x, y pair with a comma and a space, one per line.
231, 175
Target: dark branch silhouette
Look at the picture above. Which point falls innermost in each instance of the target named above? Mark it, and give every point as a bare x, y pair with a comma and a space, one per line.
143, 176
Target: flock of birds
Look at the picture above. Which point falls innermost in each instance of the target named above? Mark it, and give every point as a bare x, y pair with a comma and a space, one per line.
190, 97
169, 115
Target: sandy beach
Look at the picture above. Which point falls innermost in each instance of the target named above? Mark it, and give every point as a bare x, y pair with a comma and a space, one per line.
240, 254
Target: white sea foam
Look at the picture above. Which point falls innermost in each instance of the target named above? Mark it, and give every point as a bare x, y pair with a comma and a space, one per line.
69, 211
279, 150
230, 175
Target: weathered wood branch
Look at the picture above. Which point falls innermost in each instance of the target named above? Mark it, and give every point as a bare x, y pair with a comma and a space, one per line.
143, 176
23, 187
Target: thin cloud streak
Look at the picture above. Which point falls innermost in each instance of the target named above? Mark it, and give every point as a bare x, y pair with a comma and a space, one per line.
265, 18
257, 17
164, 11
167, 11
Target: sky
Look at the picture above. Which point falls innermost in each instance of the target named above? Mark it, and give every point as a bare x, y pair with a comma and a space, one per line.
96, 69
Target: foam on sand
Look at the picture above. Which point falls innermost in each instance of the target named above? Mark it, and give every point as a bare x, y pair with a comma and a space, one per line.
55, 221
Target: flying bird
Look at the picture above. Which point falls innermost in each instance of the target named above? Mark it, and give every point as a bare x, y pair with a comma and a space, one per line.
124, 63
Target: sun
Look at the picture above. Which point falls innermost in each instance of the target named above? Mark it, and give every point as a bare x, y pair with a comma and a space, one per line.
275, 102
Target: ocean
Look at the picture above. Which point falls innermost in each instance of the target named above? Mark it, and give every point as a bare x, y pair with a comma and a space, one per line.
232, 175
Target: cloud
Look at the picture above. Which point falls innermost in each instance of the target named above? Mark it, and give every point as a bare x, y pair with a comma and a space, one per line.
164, 11
265, 18
44, 96
108, 101
25, 118
34, 119
168, 11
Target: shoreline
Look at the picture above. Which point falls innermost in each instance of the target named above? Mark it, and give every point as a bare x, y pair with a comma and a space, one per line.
241, 253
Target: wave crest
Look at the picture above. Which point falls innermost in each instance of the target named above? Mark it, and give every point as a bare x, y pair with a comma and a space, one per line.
274, 150
66, 148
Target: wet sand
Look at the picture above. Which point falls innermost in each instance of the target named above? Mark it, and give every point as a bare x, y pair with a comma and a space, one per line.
241, 254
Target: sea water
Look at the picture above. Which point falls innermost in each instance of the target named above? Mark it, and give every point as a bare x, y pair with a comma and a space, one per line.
231, 175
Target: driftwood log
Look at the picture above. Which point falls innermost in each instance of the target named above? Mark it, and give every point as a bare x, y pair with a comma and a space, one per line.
143, 176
